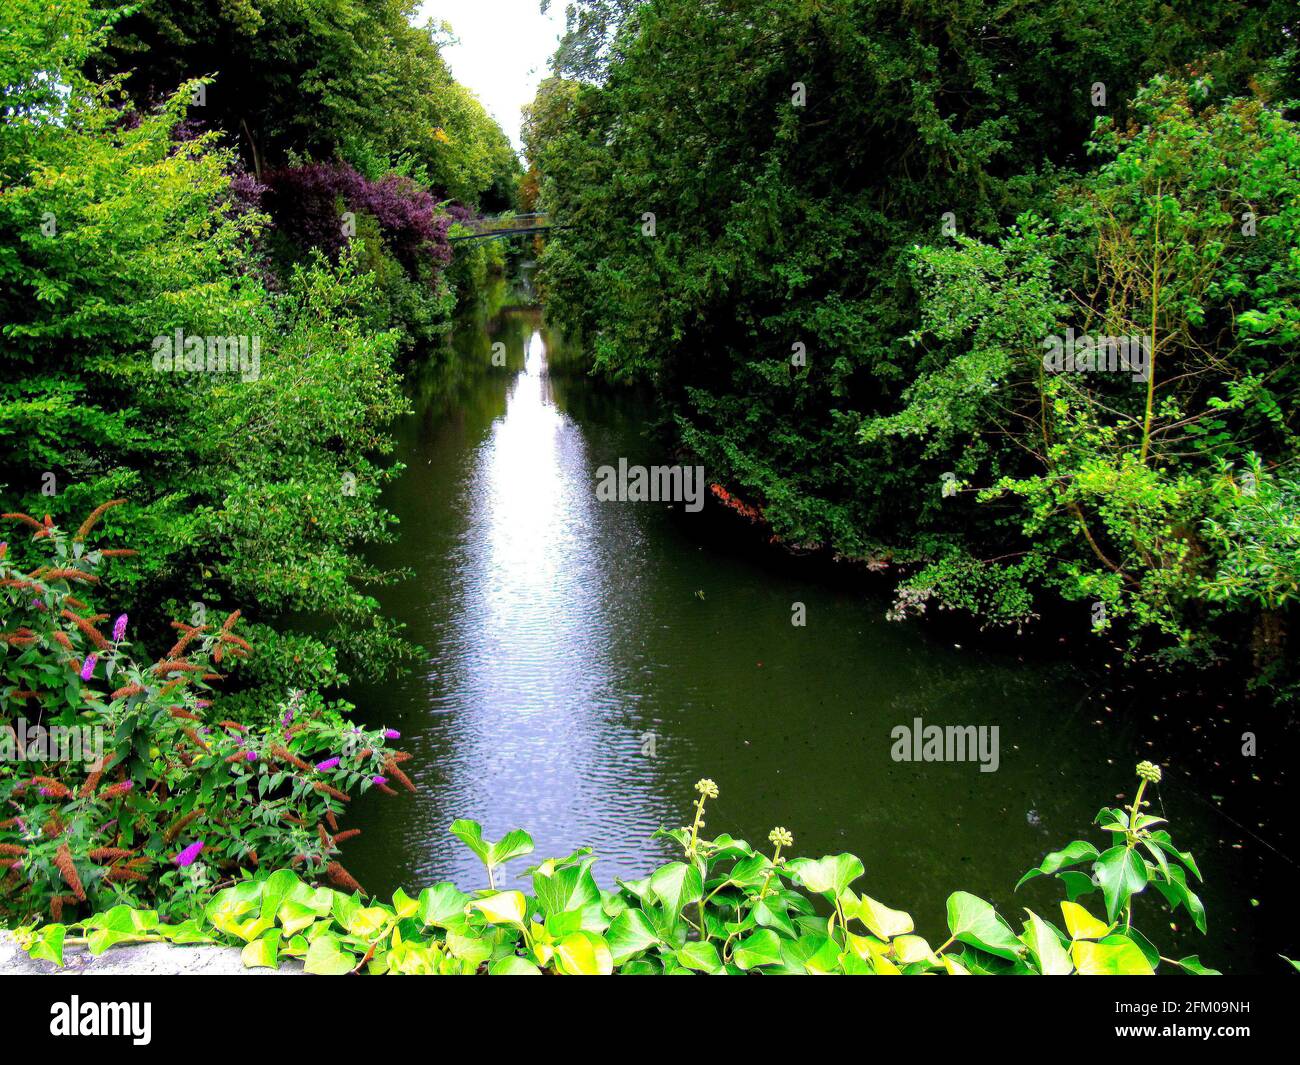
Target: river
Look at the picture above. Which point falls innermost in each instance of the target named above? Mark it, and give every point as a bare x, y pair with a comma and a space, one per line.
588, 661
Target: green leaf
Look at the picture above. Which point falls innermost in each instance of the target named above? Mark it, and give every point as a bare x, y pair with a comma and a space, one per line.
570, 888
344, 908
770, 912
1163, 841
505, 907
583, 954
512, 845
1077, 884
702, 957
750, 871
234, 901
761, 948
972, 920
1113, 956
1072, 854
474, 950
403, 905
513, 965
294, 916
187, 932
1046, 948
47, 944
829, 875
263, 953
1122, 874
470, 833
913, 949
442, 905
1177, 893
276, 888
676, 885
954, 967
1192, 964
1081, 924
326, 958
629, 934
820, 954
560, 925
883, 922
121, 924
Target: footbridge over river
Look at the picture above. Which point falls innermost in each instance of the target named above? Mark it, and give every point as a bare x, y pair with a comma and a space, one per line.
496, 227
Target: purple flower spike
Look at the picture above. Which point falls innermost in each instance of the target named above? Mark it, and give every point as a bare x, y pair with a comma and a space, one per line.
119, 628
392, 734
189, 854
88, 668
251, 756
329, 763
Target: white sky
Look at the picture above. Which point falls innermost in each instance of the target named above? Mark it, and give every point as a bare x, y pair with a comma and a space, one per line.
503, 50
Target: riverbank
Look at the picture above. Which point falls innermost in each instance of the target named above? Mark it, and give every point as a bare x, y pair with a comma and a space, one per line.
585, 657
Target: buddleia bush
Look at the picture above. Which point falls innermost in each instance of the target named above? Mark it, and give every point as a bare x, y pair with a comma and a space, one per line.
156, 798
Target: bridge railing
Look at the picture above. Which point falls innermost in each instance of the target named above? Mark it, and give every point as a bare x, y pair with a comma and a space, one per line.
501, 225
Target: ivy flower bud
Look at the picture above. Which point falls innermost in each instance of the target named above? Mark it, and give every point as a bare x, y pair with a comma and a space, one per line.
1149, 772
707, 788
780, 837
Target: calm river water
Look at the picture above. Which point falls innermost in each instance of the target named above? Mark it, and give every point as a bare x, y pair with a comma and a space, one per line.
588, 661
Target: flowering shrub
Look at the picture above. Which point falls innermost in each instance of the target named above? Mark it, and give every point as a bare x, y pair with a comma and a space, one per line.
306, 203
167, 801
725, 908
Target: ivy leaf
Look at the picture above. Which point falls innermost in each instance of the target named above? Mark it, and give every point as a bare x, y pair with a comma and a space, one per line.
974, 921
761, 948
1071, 854
1122, 874
263, 953
829, 875
676, 885
1113, 956
326, 958
1046, 947
629, 934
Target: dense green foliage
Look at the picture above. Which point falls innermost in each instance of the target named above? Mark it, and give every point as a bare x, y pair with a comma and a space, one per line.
840, 237
347, 78
725, 908
132, 225
115, 783
837, 235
